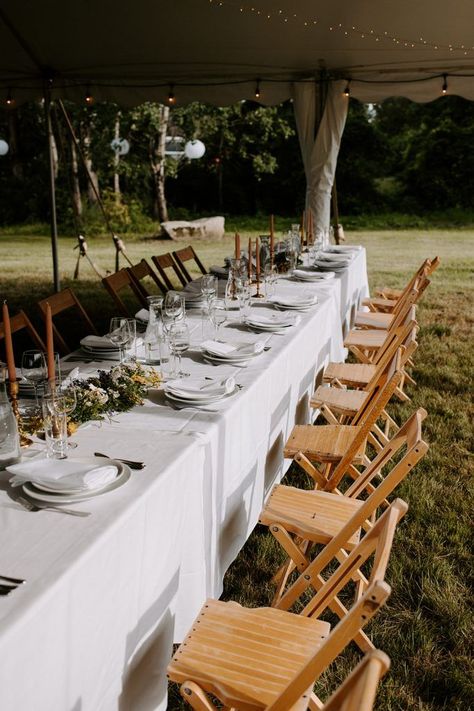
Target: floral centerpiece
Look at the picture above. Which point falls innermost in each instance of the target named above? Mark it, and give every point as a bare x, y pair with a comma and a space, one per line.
112, 391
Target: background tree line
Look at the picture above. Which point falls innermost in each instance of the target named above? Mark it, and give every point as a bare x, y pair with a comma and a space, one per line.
395, 157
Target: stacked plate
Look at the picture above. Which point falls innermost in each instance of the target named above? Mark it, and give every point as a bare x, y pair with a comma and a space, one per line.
312, 274
343, 248
333, 261
100, 347
294, 303
275, 323
69, 481
231, 353
198, 392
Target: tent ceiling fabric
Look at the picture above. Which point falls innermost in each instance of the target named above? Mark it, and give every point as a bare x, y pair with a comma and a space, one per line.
214, 51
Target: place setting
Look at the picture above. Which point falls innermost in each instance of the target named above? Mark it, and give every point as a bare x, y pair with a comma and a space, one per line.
273, 322
199, 392
303, 302
231, 353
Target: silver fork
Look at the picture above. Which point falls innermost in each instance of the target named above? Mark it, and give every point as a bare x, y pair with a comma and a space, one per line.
35, 507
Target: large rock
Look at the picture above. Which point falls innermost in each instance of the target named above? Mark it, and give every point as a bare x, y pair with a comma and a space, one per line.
205, 228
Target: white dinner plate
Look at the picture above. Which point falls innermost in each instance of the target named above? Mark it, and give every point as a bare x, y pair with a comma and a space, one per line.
191, 402
123, 475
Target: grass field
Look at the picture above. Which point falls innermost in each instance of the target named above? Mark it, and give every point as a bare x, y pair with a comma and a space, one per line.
426, 627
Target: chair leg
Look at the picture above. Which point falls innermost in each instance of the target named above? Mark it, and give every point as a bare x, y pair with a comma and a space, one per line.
195, 696
315, 704
296, 549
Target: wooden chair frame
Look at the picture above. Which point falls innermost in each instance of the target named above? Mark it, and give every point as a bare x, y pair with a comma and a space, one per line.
62, 301
298, 519
358, 691
229, 653
20, 322
114, 283
429, 266
185, 255
140, 271
166, 261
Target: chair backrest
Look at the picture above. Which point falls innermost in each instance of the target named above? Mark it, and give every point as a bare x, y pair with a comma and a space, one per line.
375, 545
434, 264
63, 301
404, 335
185, 255
114, 283
407, 303
358, 691
21, 322
166, 261
141, 271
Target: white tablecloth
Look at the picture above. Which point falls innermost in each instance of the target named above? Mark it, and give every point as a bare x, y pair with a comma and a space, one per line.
107, 595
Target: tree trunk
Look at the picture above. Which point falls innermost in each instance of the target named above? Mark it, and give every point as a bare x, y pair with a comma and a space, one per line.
156, 152
87, 137
75, 185
117, 161
17, 166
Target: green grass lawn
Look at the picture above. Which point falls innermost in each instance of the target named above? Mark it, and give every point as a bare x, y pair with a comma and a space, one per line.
426, 627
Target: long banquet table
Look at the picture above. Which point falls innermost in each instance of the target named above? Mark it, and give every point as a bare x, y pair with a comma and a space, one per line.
106, 596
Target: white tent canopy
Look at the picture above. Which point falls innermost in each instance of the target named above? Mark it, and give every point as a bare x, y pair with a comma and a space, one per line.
215, 50
223, 51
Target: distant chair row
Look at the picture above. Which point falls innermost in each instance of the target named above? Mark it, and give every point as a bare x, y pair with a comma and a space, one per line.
127, 278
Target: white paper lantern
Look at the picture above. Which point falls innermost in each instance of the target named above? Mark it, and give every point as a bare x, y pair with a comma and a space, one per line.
120, 146
194, 149
3, 147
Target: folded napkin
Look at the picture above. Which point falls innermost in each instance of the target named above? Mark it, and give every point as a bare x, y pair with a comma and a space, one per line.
294, 301
143, 315
98, 342
199, 388
336, 256
341, 248
220, 272
310, 274
224, 349
63, 474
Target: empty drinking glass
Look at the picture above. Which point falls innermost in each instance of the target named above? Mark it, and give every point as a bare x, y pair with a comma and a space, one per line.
34, 369
179, 342
218, 313
55, 427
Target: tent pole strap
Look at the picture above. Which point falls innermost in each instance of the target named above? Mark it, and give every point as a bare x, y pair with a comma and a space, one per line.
52, 186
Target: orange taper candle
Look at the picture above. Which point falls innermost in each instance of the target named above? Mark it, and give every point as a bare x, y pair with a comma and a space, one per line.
50, 344
257, 257
8, 344
237, 245
250, 260
302, 229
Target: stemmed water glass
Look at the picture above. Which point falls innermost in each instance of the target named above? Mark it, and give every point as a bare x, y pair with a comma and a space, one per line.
209, 284
218, 312
244, 295
64, 395
270, 279
119, 333
34, 369
179, 342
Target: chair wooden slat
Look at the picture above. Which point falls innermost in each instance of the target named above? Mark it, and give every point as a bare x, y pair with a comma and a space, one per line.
141, 271
64, 301
185, 255
166, 261
119, 281
20, 322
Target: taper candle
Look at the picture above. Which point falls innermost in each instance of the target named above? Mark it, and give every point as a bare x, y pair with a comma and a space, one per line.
237, 245
250, 261
9, 344
50, 344
302, 229
257, 258
272, 238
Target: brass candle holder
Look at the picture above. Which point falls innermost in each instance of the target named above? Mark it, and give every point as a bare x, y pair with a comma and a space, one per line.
13, 387
257, 294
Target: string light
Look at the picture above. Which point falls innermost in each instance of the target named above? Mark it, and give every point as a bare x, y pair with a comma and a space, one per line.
257, 89
89, 98
444, 89
171, 96
347, 90
420, 43
10, 101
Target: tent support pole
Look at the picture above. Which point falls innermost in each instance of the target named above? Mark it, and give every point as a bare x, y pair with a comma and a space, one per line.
335, 213
52, 188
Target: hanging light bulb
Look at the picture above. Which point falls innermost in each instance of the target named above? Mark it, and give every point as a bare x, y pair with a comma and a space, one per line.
171, 96
347, 90
89, 99
444, 89
257, 89
10, 101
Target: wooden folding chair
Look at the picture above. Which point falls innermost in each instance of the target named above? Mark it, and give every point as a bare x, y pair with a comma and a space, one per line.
185, 255
429, 266
379, 320
386, 305
337, 448
141, 271
117, 282
339, 405
60, 302
166, 261
299, 519
365, 343
21, 323
265, 658
358, 691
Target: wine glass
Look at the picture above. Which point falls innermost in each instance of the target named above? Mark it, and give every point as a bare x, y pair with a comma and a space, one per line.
179, 342
218, 313
119, 333
34, 369
270, 278
173, 306
209, 286
244, 295
64, 395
